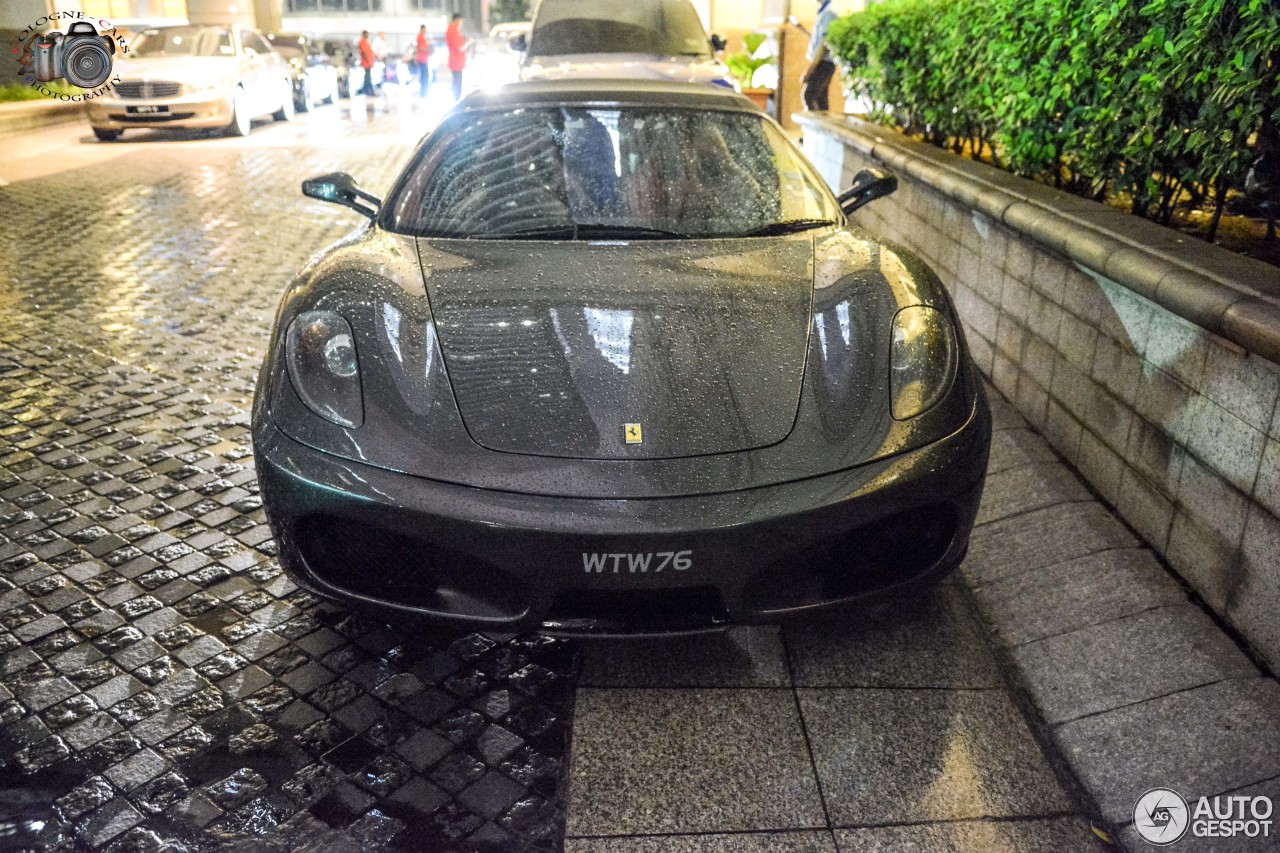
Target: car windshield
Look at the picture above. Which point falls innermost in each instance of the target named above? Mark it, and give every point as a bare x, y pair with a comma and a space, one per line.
665, 27
287, 46
183, 41
586, 173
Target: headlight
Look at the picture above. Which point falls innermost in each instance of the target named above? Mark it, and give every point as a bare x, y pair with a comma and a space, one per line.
923, 362
205, 88
320, 352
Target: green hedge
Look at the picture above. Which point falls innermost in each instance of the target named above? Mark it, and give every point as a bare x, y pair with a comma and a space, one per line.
1157, 99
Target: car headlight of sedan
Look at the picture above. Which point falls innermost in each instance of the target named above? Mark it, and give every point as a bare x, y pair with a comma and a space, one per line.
205, 88
320, 352
923, 362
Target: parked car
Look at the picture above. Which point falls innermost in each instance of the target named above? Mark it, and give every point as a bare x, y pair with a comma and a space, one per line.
608, 357
342, 57
315, 80
500, 35
195, 77
637, 39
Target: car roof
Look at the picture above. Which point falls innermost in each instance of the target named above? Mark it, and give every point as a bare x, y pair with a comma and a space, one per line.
602, 91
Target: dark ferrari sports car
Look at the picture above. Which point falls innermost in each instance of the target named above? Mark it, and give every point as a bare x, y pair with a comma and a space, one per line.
609, 358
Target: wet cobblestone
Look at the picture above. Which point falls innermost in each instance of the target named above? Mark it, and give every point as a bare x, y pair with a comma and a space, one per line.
164, 686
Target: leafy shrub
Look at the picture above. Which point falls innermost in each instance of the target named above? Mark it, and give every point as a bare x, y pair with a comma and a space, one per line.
744, 64
22, 92
1152, 98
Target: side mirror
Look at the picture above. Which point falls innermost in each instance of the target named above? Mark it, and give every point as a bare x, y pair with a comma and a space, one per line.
340, 188
868, 185
718, 43
518, 44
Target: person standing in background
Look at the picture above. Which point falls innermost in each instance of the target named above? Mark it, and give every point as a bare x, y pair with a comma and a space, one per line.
380, 55
367, 59
458, 45
817, 77
422, 55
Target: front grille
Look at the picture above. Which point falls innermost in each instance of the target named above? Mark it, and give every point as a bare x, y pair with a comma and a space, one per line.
148, 89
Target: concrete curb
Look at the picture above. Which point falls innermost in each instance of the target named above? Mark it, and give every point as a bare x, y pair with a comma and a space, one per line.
1133, 683
30, 115
1226, 293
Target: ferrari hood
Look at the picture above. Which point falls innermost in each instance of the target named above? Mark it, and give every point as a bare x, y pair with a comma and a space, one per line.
649, 349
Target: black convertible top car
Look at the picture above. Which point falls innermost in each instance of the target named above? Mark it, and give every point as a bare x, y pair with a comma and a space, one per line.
609, 358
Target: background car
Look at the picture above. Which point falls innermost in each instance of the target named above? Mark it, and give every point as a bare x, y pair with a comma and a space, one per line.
341, 56
500, 35
636, 39
195, 77
701, 398
315, 80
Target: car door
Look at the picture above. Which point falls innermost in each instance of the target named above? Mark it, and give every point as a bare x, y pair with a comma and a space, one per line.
257, 77
275, 71
248, 69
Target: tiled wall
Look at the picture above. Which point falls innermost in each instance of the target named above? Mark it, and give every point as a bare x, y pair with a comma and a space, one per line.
1175, 427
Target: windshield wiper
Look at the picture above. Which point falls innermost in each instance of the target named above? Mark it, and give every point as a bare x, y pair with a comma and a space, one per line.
600, 231
539, 232
790, 226
588, 231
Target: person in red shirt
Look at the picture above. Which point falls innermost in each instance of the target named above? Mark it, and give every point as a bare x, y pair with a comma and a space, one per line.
458, 45
422, 56
367, 59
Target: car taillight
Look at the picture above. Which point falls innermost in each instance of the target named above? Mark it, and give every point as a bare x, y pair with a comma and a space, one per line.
320, 352
923, 362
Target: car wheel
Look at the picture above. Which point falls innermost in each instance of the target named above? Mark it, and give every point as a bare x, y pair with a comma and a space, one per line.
303, 103
106, 135
241, 121
285, 113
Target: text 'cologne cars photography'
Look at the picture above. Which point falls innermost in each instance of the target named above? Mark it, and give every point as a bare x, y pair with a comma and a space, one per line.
608, 358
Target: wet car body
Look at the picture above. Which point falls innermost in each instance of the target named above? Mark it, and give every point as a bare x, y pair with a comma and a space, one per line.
209, 77
607, 434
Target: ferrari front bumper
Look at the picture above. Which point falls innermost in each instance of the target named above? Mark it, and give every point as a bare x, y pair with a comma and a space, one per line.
477, 559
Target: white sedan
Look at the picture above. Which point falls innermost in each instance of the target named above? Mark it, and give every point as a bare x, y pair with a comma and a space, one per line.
195, 77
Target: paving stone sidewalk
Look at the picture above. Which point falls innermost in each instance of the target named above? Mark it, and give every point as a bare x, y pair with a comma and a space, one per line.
1138, 686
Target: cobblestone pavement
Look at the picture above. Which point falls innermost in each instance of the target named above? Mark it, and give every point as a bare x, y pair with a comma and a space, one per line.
164, 686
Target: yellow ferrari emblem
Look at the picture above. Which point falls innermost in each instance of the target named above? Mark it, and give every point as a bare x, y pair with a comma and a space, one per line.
633, 433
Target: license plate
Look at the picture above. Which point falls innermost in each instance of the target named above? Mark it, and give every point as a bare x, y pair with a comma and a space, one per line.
636, 562
146, 109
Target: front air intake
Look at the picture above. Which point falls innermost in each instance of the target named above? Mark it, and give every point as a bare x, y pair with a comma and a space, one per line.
393, 567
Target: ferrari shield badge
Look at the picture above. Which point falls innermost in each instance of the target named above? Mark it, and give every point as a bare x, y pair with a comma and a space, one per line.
633, 433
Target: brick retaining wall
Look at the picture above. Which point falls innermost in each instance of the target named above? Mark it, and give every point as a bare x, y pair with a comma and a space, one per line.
1149, 359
